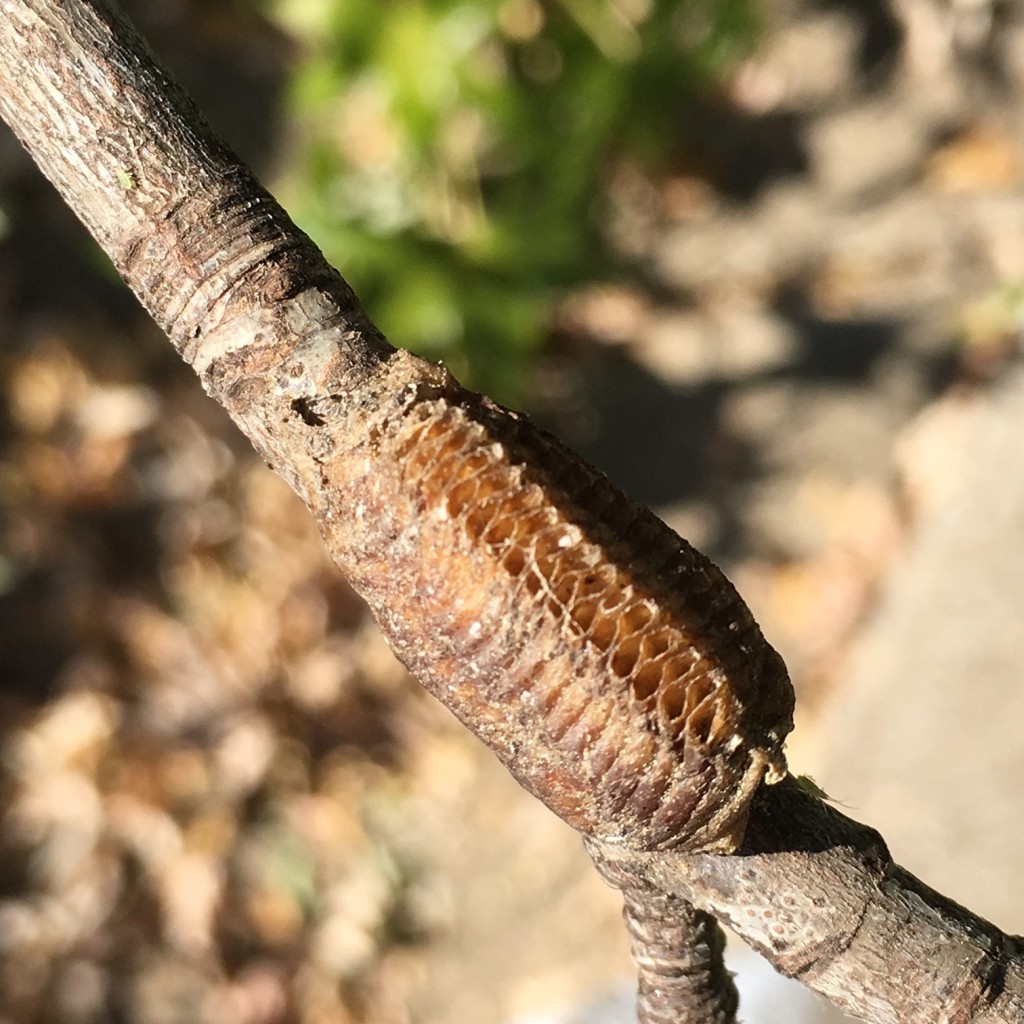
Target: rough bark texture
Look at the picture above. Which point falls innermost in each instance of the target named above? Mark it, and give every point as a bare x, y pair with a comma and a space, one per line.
678, 952
819, 896
614, 670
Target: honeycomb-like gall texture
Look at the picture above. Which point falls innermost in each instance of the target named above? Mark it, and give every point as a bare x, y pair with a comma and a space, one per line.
612, 667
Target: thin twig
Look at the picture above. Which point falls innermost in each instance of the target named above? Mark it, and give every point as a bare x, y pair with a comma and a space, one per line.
679, 952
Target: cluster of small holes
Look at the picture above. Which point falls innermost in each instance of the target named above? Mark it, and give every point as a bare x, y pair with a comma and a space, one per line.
462, 474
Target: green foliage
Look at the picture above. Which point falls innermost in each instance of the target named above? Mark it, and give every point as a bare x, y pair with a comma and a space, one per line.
451, 152
811, 788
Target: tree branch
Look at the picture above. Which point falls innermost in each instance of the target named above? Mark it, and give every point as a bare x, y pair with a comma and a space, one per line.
610, 666
678, 950
820, 897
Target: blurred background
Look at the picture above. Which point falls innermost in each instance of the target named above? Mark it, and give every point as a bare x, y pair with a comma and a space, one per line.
761, 260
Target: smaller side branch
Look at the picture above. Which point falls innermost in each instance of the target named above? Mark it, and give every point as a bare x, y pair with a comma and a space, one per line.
678, 950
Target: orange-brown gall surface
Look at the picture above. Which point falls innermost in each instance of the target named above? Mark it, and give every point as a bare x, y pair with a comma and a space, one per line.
612, 667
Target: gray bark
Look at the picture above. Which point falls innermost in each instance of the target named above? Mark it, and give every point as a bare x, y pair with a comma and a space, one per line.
281, 342
820, 897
